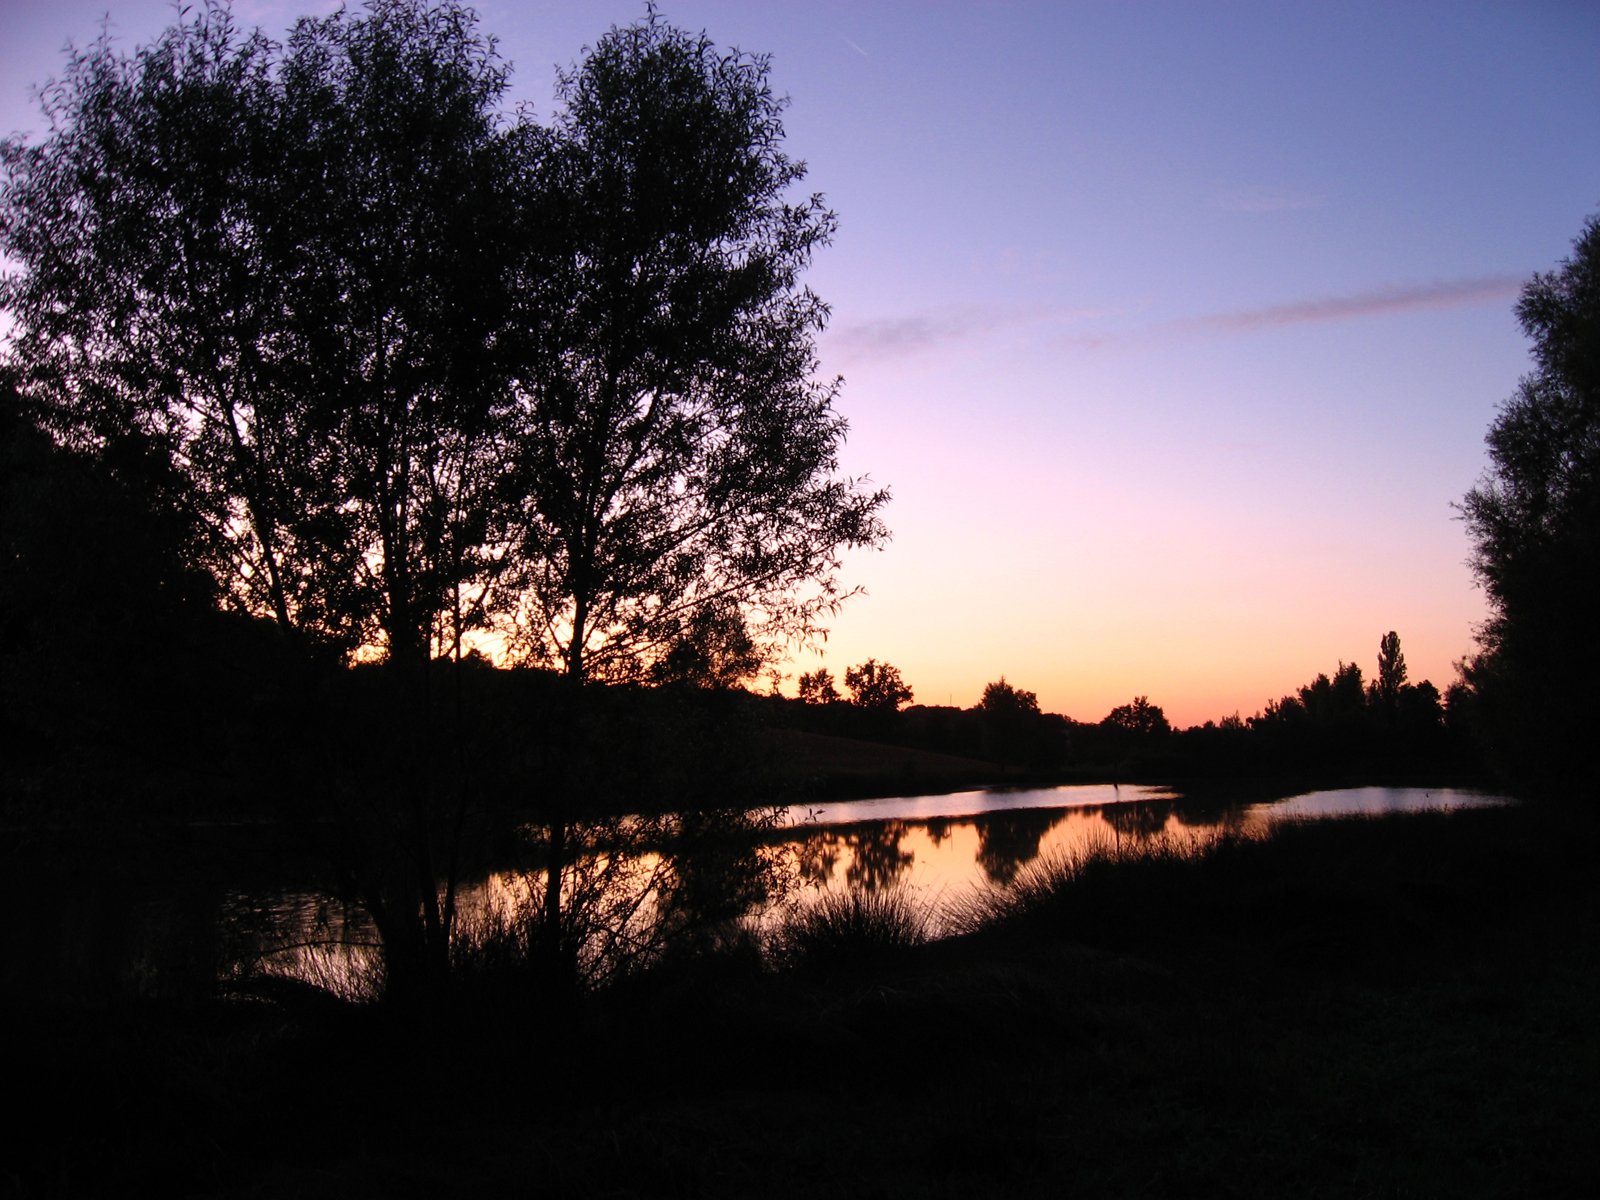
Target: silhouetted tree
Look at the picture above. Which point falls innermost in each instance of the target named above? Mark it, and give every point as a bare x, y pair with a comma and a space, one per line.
713, 648
418, 360
1012, 725
286, 265
1419, 707
675, 452
1340, 700
1391, 671
1140, 719
877, 686
1000, 698
817, 687
1535, 525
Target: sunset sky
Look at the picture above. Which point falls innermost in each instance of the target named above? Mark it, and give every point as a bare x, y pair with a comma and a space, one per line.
1174, 328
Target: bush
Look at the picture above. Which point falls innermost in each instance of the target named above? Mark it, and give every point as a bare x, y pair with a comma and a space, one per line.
850, 928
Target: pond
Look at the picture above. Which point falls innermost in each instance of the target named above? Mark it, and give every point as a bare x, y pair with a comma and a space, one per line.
179, 926
939, 847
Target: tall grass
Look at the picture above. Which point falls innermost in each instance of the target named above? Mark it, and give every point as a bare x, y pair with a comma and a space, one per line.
850, 928
1104, 884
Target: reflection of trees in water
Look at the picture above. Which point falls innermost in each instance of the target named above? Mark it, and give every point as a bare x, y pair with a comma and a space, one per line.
938, 829
720, 871
1148, 818
1140, 821
816, 857
1209, 813
877, 859
1008, 840
636, 885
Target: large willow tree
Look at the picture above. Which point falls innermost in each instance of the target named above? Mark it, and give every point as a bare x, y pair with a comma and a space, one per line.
286, 265
677, 455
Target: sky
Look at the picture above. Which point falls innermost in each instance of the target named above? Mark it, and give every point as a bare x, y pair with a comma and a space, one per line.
1174, 328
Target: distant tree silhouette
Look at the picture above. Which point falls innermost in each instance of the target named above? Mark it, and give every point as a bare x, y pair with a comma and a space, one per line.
1141, 719
1535, 525
1419, 707
1385, 689
1340, 700
1335, 724
817, 687
877, 686
1001, 699
1012, 726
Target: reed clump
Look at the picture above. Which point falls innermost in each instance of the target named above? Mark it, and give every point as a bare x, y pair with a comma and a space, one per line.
851, 928
1098, 888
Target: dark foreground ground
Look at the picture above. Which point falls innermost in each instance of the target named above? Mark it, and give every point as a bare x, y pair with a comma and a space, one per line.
1381, 1008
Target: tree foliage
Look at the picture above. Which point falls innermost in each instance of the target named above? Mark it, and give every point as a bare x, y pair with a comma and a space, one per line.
282, 266
1391, 671
1015, 733
403, 345
1535, 525
675, 452
877, 686
817, 687
1141, 719
1336, 723
1000, 699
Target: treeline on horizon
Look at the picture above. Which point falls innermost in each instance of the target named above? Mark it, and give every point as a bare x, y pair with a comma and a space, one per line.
1333, 726
120, 666
122, 671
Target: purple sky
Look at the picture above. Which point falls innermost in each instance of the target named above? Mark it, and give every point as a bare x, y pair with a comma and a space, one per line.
1175, 328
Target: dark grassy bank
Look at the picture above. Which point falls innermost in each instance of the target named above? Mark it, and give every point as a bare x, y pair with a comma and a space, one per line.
1394, 1007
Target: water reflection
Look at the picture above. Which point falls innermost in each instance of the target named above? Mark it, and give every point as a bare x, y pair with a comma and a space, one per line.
629, 899
629, 895
960, 845
1008, 841
311, 936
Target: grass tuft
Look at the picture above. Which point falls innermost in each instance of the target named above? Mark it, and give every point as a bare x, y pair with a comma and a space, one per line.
850, 928
1093, 889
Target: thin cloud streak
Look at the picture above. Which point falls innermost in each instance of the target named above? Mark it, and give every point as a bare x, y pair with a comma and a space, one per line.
1449, 294
1456, 293
916, 333
912, 334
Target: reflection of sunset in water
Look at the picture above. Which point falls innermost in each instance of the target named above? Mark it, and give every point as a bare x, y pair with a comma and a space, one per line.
939, 858
938, 861
938, 849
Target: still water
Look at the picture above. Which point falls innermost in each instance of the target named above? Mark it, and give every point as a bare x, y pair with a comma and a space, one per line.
178, 929
948, 843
